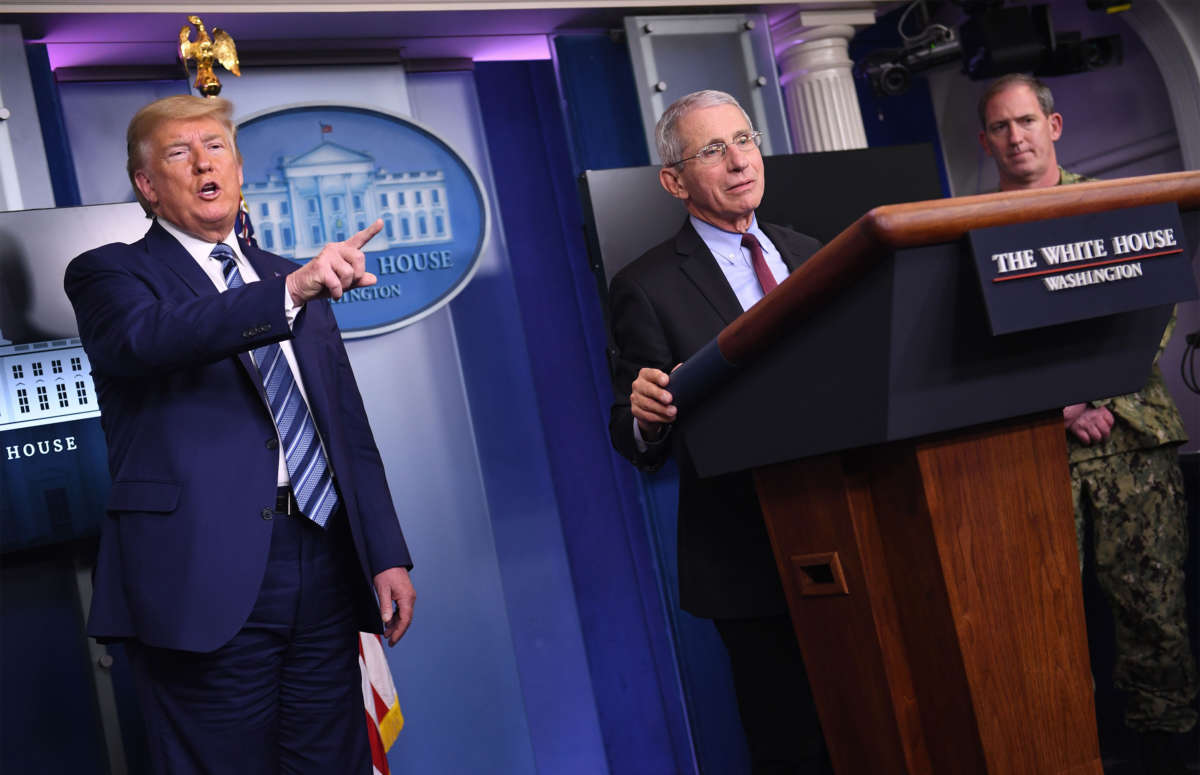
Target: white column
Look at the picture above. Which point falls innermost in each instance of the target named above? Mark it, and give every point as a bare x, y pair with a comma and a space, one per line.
818, 86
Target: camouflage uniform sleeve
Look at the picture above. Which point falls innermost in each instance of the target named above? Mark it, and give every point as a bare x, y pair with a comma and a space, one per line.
1143, 420
1066, 178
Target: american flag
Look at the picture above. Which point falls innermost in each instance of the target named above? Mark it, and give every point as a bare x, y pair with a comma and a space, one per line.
384, 719
242, 226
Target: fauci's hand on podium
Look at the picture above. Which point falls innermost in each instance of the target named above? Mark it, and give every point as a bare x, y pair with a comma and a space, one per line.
1088, 424
651, 403
339, 267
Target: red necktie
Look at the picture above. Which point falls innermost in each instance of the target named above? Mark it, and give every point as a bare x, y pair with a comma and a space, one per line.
765, 278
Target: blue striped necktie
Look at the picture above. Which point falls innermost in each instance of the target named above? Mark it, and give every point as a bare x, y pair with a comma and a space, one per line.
307, 467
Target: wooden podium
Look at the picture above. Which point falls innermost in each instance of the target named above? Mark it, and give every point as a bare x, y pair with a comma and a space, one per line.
913, 477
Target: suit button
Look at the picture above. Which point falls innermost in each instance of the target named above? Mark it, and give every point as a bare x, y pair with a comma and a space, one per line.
268, 513
272, 443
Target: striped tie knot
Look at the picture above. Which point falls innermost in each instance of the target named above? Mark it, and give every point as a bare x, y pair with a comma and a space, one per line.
229, 268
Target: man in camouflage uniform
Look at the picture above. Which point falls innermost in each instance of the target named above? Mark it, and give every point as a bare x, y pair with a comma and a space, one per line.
1125, 472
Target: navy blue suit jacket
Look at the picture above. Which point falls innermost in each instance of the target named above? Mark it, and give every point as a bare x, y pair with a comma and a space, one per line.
192, 448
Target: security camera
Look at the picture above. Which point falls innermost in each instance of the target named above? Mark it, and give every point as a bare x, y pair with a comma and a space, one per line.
890, 70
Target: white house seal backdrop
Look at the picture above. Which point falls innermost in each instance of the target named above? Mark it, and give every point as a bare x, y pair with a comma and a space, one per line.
319, 173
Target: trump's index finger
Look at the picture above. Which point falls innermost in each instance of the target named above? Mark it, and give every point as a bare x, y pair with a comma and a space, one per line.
364, 236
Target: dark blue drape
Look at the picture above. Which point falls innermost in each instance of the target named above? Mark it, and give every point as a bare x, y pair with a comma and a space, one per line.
54, 130
614, 574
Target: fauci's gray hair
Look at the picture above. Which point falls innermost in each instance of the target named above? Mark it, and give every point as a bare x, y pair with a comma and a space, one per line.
666, 131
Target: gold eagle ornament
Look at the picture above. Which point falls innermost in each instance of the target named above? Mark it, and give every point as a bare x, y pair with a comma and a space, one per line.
205, 50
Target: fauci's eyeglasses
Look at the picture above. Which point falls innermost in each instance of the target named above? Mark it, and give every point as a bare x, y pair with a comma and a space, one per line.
714, 152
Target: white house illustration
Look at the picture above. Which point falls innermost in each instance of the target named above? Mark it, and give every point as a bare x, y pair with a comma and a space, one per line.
331, 192
45, 382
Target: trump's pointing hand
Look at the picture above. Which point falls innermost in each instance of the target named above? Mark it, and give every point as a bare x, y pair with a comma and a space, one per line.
339, 267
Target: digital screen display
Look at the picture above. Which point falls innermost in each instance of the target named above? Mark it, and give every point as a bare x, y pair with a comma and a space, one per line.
53, 462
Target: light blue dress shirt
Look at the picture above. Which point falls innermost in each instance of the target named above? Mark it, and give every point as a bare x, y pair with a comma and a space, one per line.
735, 262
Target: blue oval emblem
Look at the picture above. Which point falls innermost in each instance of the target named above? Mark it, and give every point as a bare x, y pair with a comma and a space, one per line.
319, 173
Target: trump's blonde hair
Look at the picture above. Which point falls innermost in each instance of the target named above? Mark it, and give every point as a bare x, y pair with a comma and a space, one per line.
179, 107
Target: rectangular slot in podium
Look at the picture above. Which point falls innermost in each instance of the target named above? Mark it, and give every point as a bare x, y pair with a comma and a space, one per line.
819, 574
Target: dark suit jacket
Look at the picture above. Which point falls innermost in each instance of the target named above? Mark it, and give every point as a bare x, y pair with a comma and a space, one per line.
664, 307
192, 448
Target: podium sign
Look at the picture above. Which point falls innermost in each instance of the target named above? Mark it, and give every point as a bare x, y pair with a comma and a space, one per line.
1043, 273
